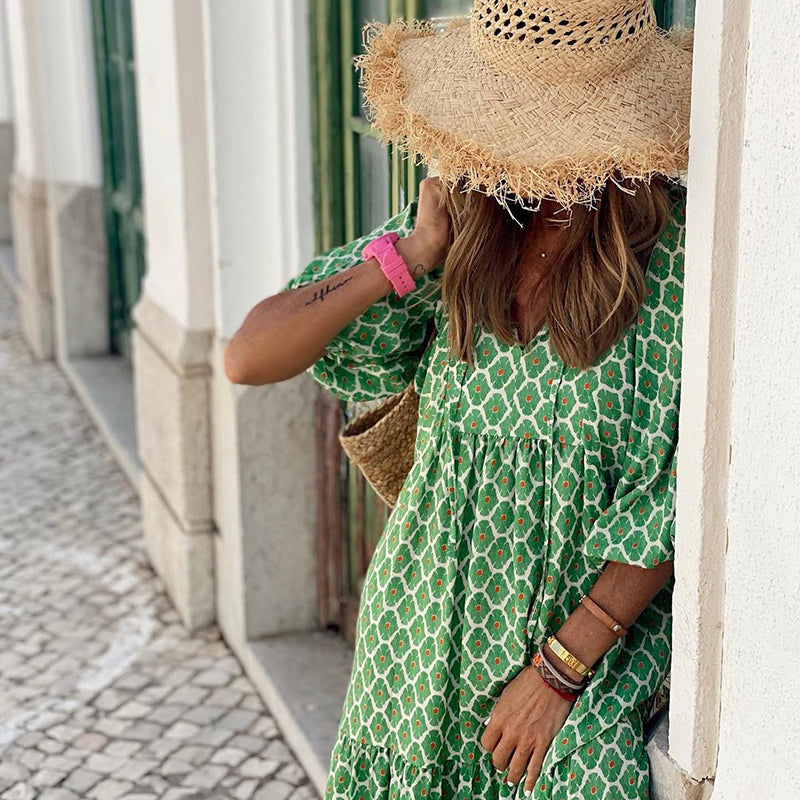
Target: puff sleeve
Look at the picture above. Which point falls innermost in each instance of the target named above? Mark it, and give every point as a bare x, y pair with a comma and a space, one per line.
378, 353
638, 525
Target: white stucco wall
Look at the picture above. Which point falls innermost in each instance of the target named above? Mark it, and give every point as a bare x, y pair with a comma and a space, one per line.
263, 232
171, 88
712, 237
263, 193
72, 129
6, 92
761, 642
24, 49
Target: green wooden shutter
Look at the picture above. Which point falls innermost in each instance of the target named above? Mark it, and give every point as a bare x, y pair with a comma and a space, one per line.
358, 184
670, 12
122, 188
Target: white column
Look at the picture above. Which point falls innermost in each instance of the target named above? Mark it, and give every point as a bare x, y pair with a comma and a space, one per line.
72, 133
78, 257
758, 725
262, 149
6, 127
712, 232
6, 91
174, 155
175, 315
26, 81
264, 449
28, 191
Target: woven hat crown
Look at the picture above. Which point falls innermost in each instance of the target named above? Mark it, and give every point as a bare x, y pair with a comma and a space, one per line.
561, 40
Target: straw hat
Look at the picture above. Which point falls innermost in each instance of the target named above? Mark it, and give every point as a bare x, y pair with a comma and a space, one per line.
526, 99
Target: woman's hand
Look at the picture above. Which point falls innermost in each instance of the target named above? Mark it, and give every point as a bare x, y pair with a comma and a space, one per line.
427, 246
524, 720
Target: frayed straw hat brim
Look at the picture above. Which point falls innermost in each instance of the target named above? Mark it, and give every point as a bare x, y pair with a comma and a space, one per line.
510, 134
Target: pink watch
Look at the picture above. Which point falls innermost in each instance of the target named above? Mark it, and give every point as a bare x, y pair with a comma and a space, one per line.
393, 265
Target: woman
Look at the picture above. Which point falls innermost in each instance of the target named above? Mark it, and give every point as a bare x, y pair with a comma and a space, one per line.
515, 621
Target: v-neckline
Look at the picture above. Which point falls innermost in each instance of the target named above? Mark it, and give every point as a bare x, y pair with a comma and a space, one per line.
542, 333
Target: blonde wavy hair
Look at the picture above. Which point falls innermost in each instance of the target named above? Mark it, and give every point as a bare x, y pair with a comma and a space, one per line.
592, 289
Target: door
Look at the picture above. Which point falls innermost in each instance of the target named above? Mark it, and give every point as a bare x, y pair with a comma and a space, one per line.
122, 189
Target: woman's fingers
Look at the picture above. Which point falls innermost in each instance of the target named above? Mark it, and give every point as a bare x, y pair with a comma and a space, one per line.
519, 762
520, 729
502, 753
430, 187
431, 203
491, 736
433, 222
534, 768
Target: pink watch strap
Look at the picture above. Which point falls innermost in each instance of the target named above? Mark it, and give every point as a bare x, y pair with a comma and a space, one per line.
393, 265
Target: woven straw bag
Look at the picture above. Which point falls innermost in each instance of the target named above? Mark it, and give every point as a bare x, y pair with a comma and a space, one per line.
380, 441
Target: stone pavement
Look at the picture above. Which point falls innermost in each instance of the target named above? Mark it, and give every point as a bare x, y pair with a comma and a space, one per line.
103, 694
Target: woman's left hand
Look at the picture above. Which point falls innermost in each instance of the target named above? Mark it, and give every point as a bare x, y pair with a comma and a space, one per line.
524, 720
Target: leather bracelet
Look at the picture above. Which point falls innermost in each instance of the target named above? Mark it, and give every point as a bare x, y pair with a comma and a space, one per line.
603, 616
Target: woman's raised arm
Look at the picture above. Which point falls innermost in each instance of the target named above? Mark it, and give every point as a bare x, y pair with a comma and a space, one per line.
287, 332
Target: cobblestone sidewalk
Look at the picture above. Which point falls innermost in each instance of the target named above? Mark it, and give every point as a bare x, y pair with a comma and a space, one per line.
103, 695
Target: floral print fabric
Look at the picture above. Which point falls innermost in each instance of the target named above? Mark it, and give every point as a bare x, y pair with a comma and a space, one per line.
528, 476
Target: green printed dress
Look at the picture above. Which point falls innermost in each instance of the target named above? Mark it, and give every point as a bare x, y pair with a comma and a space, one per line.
528, 476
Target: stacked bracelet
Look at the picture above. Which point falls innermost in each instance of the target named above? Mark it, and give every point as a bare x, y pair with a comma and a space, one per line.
552, 676
569, 684
562, 686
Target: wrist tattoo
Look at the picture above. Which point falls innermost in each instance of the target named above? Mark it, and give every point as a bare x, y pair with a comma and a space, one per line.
417, 270
321, 294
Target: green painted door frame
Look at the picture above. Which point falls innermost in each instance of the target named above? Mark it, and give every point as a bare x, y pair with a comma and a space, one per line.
358, 184
122, 187
347, 155
662, 12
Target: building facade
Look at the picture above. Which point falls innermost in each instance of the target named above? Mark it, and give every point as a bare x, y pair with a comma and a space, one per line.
166, 164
